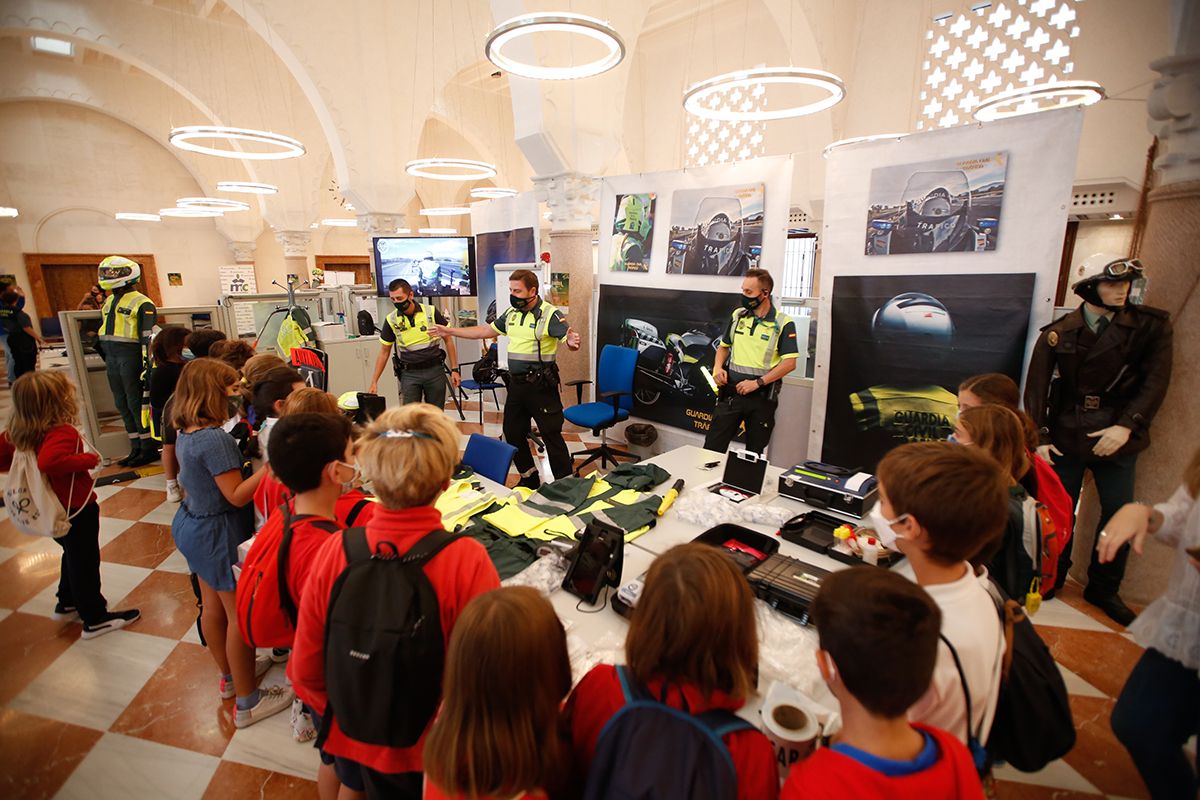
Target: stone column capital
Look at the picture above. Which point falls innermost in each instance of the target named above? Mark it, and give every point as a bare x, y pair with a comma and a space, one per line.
243, 252
295, 243
571, 197
1174, 111
380, 224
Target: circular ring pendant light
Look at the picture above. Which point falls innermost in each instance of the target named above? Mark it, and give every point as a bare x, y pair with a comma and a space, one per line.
448, 211
188, 213
246, 187
492, 192
554, 22
874, 137
1039, 97
450, 169
212, 204
694, 98
137, 216
186, 138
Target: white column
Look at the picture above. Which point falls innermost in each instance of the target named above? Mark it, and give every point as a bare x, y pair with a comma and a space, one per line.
295, 253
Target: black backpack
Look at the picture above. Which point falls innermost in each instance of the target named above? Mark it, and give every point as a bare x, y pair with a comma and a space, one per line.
651, 750
487, 368
384, 649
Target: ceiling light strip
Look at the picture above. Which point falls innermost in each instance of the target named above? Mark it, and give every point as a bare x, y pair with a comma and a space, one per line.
554, 22
187, 136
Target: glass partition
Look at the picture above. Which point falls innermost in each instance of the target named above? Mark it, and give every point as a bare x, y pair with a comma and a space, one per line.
257, 317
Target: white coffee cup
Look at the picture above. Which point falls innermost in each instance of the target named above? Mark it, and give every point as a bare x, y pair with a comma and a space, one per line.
791, 728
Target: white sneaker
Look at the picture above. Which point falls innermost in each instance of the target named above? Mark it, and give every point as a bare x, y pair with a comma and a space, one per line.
113, 621
302, 724
174, 495
261, 665
271, 701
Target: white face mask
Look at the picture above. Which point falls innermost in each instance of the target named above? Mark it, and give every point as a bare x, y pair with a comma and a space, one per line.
355, 479
883, 527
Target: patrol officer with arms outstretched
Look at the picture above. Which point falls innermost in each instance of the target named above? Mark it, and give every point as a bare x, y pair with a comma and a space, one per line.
417, 354
534, 328
126, 321
757, 349
1113, 364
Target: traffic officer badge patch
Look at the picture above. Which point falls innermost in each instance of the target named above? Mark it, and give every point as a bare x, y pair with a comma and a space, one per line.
1052, 339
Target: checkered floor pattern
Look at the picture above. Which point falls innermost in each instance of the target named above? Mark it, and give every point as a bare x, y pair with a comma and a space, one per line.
135, 714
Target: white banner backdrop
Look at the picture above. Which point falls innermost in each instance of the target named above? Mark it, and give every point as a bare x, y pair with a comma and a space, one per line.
1035, 172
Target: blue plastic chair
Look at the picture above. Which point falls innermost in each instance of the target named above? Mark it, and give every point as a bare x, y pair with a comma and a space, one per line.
470, 384
490, 457
614, 385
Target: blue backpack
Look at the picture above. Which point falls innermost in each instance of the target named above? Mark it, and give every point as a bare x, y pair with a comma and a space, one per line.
651, 751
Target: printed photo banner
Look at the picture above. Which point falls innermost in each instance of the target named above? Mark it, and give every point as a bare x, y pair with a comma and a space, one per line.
239, 279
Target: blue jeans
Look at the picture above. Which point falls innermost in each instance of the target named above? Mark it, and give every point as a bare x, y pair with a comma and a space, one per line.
1157, 712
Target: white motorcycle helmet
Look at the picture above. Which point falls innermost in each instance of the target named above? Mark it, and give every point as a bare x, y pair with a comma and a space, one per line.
913, 331
1099, 268
117, 271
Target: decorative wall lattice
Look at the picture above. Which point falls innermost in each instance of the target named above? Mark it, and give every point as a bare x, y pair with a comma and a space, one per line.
713, 141
989, 48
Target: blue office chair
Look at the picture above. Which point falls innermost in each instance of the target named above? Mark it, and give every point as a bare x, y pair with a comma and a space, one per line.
615, 388
490, 457
470, 384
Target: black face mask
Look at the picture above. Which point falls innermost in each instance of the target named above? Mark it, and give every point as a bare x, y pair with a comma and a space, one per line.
519, 303
751, 303
403, 305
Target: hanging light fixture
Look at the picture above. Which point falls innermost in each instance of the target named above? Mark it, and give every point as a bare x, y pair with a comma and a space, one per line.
340, 222
448, 211
246, 187
212, 204
185, 138
137, 216
439, 231
492, 192
8, 211
403, 230
188, 213
450, 169
694, 98
875, 137
554, 22
1038, 97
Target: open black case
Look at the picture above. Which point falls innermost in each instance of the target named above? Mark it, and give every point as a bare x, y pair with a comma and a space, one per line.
814, 530
744, 474
596, 562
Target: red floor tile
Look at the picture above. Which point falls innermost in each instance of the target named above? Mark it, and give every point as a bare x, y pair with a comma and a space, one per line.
1102, 659
26, 574
1097, 755
239, 780
29, 644
142, 544
167, 604
37, 755
132, 503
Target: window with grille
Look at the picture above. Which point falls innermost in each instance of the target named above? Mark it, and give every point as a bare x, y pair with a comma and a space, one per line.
796, 292
992, 47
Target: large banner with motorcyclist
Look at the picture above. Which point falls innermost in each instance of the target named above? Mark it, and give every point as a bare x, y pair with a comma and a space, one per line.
900, 347
675, 333
951, 205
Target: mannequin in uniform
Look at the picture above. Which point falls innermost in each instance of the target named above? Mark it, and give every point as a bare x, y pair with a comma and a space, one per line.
1096, 378
126, 321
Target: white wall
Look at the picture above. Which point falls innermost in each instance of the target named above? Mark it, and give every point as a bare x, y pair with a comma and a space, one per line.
69, 169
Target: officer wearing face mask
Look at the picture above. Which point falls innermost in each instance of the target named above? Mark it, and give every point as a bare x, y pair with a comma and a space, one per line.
417, 354
758, 348
1096, 378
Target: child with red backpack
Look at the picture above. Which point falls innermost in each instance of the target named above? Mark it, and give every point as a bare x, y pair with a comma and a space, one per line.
372, 592
692, 647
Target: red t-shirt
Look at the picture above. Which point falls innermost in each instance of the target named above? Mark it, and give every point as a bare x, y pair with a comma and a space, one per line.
271, 493
60, 458
830, 774
598, 697
345, 507
458, 573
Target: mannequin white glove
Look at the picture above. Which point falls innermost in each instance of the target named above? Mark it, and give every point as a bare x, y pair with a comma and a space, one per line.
1045, 450
1112, 439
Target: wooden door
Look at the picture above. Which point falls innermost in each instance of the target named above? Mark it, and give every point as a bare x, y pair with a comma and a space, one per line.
58, 281
359, 266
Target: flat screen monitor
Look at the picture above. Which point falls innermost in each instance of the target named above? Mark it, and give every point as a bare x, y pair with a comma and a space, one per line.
435, 266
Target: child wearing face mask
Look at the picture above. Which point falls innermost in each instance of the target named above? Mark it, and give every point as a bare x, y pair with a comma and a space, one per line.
941, 504
210, 524
878, 753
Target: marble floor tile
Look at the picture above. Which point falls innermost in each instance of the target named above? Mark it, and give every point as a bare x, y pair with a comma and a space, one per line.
174, 563
269, 745
1056, 775
124, 767
167, 604
162, 514
1057, 613
157, 482
192, 636
29, 572
238, 780
6, 553
143, 544
10, 536
1102, 659
179, 705
28, 645
1097, 754
1077, 685
133, 504
116, 581
37, 755
105, 492
93, 681
1072, 595
4, 612
111, 528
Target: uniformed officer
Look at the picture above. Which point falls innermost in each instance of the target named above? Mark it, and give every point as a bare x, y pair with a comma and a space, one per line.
760, 347
417, 355
534, 328
126, 321
1113, 363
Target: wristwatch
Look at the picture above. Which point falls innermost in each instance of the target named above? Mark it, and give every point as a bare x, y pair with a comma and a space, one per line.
456, 369
760, 383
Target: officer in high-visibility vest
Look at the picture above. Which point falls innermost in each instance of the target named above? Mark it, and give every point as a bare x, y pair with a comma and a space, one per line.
417, 356
126, 321
760, 347
534, 328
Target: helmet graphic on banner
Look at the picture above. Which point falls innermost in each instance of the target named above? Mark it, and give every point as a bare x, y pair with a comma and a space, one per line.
1100, 268
117, 271
913, 331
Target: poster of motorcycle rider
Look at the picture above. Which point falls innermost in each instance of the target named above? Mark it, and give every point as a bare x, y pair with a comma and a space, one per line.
716, 231
901, 345
950, 205
675, 333
633, 232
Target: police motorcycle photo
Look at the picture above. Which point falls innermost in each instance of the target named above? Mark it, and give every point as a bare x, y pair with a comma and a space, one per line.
674, 364
937, 213
721, 242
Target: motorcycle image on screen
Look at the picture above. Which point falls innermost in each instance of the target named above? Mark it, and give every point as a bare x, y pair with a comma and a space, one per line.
715, 247
670, 365
935, 215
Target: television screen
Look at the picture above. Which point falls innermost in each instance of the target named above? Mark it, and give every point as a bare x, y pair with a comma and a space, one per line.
435, 266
